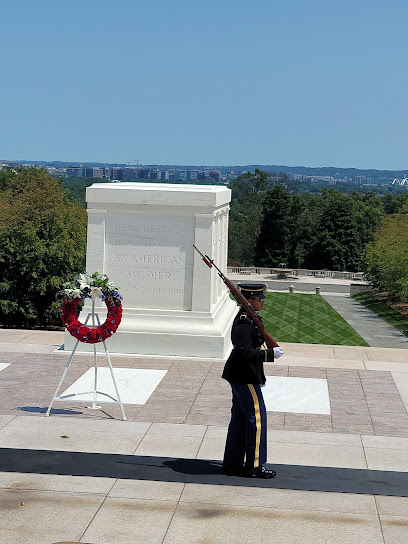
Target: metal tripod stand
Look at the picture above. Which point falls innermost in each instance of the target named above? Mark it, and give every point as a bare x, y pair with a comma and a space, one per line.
70, 397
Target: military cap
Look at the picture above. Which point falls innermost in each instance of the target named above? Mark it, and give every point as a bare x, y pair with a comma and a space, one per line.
250, 290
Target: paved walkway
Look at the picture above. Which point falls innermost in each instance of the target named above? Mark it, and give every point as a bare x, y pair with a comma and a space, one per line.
86, 476
375, 331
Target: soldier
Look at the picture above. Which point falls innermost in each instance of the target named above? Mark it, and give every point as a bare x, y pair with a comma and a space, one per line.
245, 449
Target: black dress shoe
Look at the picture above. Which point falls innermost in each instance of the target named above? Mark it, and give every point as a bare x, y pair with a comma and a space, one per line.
233, 471
260, 472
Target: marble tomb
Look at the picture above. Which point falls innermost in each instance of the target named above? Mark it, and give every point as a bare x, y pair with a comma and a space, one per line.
141, 236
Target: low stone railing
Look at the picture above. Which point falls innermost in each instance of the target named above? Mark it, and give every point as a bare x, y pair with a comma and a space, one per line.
336, 274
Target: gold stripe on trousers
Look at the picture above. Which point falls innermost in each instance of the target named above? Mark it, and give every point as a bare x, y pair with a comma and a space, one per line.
258, 424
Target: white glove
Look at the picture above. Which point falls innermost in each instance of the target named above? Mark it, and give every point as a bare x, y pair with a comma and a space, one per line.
278, 352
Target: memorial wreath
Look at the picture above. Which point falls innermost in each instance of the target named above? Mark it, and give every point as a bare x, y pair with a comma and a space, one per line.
90, 286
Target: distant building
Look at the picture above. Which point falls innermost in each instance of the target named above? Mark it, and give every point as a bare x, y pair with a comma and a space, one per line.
215, 175
192, 175
232, 175
130, 174
76, 172
154, 174
143, 173
116, 173
175, 175
362, 179
164, 175
94, 172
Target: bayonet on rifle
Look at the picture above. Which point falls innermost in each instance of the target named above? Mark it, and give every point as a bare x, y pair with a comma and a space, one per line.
241, 300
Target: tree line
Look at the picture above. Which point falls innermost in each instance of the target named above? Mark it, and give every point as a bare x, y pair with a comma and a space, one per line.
43, 236
271, 224
386, 257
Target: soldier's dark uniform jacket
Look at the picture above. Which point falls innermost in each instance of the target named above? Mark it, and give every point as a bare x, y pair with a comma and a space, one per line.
245, 364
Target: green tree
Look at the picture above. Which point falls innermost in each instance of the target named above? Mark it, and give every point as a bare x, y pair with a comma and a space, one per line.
42, 244
77, 187
335, 246
386, 257
395, 203
342, 226
245, 216
390, 204
303, 224
248, 194
368, 211
274, 241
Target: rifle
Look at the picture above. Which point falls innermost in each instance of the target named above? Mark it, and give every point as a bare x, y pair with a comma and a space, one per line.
242, 301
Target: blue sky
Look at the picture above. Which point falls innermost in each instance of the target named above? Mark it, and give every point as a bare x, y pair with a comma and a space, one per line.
294, 82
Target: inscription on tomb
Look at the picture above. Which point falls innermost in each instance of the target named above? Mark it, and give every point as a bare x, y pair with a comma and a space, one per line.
149, 260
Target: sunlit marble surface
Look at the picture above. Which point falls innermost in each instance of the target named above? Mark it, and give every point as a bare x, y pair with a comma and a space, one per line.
135, 385
296, 395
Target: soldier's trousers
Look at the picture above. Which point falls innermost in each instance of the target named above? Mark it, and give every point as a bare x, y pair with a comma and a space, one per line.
246, 439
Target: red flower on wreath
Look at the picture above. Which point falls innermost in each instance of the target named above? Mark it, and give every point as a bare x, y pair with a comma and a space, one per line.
90, 335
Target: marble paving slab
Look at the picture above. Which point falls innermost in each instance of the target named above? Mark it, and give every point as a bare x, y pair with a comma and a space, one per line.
296, 395
135, 384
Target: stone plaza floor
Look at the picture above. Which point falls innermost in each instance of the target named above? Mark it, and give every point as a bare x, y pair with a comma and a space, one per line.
337, 435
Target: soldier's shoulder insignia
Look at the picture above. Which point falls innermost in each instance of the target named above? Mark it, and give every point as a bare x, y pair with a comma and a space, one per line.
244, 318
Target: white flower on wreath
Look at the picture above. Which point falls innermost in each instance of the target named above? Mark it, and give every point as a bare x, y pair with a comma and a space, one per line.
76, 293
95, 292
84, 281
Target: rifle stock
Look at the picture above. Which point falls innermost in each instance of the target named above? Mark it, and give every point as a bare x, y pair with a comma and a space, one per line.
242, 301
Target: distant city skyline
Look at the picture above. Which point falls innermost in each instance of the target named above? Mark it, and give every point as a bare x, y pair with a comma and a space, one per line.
245, 167
214, 174
222, 82
186, 165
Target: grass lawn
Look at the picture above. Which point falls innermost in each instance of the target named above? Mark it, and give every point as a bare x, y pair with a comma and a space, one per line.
306, 319
394, 318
